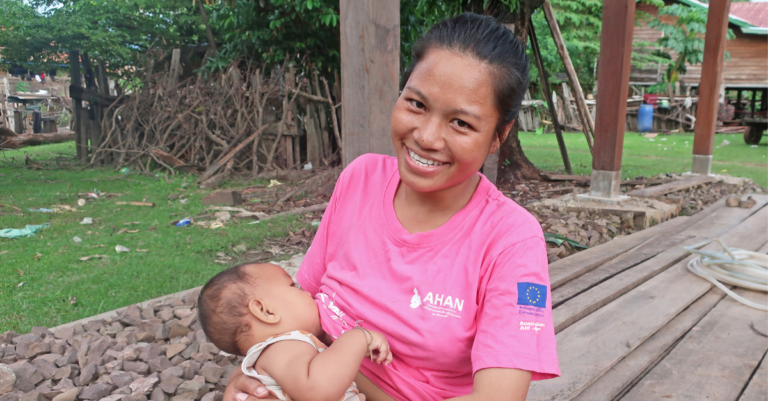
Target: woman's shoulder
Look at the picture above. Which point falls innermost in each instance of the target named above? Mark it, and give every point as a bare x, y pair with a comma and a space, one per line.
508, 218
370, 168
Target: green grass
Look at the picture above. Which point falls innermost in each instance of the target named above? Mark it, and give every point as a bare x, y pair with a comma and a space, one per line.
641, 156
177, 258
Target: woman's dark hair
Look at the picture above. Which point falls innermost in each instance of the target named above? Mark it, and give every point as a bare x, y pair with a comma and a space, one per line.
485, 40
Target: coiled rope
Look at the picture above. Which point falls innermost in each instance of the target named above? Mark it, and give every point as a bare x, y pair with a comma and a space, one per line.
734, 266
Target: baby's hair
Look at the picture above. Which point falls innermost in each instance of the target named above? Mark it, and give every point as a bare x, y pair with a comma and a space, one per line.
222, 304
485, 40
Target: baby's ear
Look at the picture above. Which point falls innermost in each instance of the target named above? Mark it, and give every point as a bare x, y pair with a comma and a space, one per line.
260, 310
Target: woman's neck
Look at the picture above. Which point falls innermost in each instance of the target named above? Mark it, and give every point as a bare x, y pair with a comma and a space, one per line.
426, 211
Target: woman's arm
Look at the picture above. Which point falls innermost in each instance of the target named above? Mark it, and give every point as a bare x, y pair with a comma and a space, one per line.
498, 384
245, 388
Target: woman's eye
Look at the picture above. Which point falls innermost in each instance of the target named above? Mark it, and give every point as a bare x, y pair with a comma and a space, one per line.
461, 123
417, 104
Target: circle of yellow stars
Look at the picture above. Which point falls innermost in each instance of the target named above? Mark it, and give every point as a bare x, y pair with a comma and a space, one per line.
528, 295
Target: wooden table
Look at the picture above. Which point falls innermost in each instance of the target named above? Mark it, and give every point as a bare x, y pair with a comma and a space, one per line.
633, 323
26, 100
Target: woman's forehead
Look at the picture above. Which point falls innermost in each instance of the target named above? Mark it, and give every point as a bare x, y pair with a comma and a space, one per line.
447, 76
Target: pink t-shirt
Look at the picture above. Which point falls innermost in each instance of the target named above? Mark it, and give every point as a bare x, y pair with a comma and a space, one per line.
469, 295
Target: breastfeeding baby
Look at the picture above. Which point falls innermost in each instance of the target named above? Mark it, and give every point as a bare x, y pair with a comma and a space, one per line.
257, 311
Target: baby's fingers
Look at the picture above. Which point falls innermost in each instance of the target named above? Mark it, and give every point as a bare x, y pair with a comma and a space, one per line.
383, 352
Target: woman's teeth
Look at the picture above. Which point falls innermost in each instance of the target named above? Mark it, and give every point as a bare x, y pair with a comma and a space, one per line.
422, 161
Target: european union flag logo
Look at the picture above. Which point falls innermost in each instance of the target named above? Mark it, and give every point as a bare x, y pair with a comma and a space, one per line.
532, 294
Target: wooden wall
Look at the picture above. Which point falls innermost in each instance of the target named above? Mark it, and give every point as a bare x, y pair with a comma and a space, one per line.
748, 65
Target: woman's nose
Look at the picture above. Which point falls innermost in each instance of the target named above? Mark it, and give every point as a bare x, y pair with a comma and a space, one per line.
430, 136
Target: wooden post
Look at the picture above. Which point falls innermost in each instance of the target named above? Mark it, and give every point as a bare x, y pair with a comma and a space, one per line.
8, 113
102, 76
709, 86
370, 69
581, 104
76, 80
18, 122
175, 67
613, 81
544, 77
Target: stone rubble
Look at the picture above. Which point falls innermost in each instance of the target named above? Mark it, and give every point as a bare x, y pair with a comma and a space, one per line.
157, 353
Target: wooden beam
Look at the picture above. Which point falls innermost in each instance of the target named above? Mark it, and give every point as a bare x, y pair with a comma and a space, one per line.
76, 82
673, 186
370, 70
581, 103
545, 83
613, 81
709, 87
175, 67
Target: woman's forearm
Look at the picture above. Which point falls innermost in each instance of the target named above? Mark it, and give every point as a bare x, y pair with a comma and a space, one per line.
498, 384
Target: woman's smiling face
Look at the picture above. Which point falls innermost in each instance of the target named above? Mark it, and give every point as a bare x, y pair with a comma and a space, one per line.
444, 122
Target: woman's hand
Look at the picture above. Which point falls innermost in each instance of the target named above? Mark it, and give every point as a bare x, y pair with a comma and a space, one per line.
379, 348
245, 388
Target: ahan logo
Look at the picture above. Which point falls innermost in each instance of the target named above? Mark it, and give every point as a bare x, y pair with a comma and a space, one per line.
441, 305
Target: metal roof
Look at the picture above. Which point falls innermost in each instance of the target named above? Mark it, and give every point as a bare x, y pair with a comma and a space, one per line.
737, 19
754, 13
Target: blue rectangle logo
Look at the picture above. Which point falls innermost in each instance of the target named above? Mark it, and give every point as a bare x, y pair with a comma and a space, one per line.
532, 294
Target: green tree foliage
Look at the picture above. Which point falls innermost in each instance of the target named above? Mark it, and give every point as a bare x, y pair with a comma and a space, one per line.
271, 30
41, 32
580, 24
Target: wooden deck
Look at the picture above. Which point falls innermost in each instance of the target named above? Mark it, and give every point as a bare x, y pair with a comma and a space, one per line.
633, 323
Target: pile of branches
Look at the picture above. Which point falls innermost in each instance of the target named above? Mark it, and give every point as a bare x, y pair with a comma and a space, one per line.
238, 120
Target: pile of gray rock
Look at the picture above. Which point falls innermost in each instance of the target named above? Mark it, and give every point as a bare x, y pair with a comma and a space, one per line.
157, 353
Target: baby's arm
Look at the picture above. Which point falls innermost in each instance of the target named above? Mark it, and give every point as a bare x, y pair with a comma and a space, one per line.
306, 374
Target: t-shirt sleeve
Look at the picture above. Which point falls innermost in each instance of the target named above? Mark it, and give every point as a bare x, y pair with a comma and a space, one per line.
514, 318
313, 267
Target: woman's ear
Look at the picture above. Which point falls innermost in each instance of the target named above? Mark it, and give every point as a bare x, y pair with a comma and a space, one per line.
497, 141
261, 311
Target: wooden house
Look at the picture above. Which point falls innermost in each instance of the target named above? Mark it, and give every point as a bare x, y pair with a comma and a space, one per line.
745, 71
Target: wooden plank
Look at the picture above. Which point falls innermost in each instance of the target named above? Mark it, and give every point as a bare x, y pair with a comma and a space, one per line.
606, 291
370, 72
575, 265
594, 344
614, 382
715, 360
711, 77
679, 185
703, 226
635, 257
757, 389
565, 177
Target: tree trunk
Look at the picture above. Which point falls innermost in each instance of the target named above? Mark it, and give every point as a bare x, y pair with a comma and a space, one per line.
20, 141
514, 166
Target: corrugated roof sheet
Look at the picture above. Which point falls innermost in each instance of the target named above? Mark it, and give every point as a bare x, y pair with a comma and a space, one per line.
754, 13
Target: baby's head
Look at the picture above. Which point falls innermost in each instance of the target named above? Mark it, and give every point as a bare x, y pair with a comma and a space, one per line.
246, 304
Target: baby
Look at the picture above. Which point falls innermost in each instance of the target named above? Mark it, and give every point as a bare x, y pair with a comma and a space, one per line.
256, 310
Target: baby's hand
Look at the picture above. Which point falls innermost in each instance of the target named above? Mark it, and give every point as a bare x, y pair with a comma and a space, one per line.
379, 348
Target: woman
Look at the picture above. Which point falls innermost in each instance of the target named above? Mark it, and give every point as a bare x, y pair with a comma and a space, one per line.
427, 251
